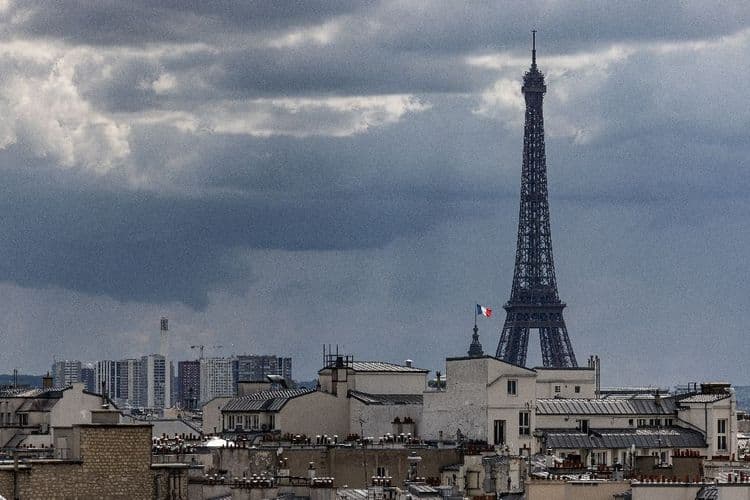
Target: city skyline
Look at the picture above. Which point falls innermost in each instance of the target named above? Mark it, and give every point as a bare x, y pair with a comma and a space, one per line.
277, 179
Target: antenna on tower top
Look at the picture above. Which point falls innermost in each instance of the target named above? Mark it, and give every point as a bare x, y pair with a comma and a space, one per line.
533, 47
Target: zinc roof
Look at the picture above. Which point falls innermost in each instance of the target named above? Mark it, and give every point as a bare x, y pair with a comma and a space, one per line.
704, 398
387, 399
264, 400
633, 406
382, 366
667, 437
38, 404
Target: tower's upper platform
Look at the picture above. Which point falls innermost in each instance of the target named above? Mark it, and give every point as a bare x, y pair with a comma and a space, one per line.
533, 79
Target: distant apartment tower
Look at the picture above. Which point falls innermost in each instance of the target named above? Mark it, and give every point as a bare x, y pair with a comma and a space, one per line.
188, 384
253, 367
132, 386
158, 381
66, 372
107, 379
88, 378
217, 378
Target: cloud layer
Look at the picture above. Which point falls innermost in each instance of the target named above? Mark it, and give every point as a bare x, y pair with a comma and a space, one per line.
278, 176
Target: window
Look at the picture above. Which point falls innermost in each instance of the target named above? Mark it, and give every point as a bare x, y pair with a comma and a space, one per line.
630, 422
583, 425
721, 430
499, 428
577, 389
668, 422
557, 388
271, 421
253, 421
381, 472
641, 422
524, 423
512, 389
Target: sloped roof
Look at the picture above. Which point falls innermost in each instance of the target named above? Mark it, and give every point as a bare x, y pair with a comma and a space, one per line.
33, 393
264, 400
487, 356
38, 404
665, 437
703, 398
382, 366
387, 399
633, 406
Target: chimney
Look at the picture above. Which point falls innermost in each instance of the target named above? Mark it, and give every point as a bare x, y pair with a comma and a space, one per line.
47, 381
163, 334
408, 363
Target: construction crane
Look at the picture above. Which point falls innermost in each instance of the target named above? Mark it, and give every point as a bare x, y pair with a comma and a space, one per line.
201, 347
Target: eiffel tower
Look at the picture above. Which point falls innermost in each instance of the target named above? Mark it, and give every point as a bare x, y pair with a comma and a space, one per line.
534, 302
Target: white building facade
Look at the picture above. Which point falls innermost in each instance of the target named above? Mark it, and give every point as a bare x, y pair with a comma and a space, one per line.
158, 381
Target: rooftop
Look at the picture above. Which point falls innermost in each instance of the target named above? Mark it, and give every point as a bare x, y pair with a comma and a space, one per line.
387, 399
665, 437
632, 406
703, 398
265, 400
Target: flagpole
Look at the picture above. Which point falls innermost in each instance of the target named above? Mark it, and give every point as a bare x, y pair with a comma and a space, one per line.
475, 315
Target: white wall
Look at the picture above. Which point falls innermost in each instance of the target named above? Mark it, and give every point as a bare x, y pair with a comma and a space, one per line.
377, 419
74, 407
705, 416
212, 414
315, 413
462, 405
566, 380
504, 406
389, 382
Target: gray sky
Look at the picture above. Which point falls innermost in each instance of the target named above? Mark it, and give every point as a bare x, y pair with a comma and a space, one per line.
278, 176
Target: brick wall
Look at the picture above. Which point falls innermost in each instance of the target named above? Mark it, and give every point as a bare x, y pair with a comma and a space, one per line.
114, 462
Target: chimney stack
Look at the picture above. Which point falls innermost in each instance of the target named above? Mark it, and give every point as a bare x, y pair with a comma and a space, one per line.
47, 381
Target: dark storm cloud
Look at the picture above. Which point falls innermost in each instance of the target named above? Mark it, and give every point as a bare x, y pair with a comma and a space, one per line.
287, 174
142, 246
465, 27
358, 69
114, 23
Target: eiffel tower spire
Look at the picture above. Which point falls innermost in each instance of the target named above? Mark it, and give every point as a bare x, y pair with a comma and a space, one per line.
534, 302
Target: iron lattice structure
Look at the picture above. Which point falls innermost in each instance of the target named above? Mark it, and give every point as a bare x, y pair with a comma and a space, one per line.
534, 302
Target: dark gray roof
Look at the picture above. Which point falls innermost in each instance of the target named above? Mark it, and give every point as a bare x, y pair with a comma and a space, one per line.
703, 398
707, 493
487, 356
666, 437
264, 400
387, 399
382, 366
633, 406
35, 392
38, 404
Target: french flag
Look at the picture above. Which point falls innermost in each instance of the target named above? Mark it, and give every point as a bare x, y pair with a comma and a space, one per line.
484, 311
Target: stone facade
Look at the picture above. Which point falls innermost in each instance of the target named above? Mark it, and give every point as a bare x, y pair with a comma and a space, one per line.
108, 461
576, 490
483, 400
349, 466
